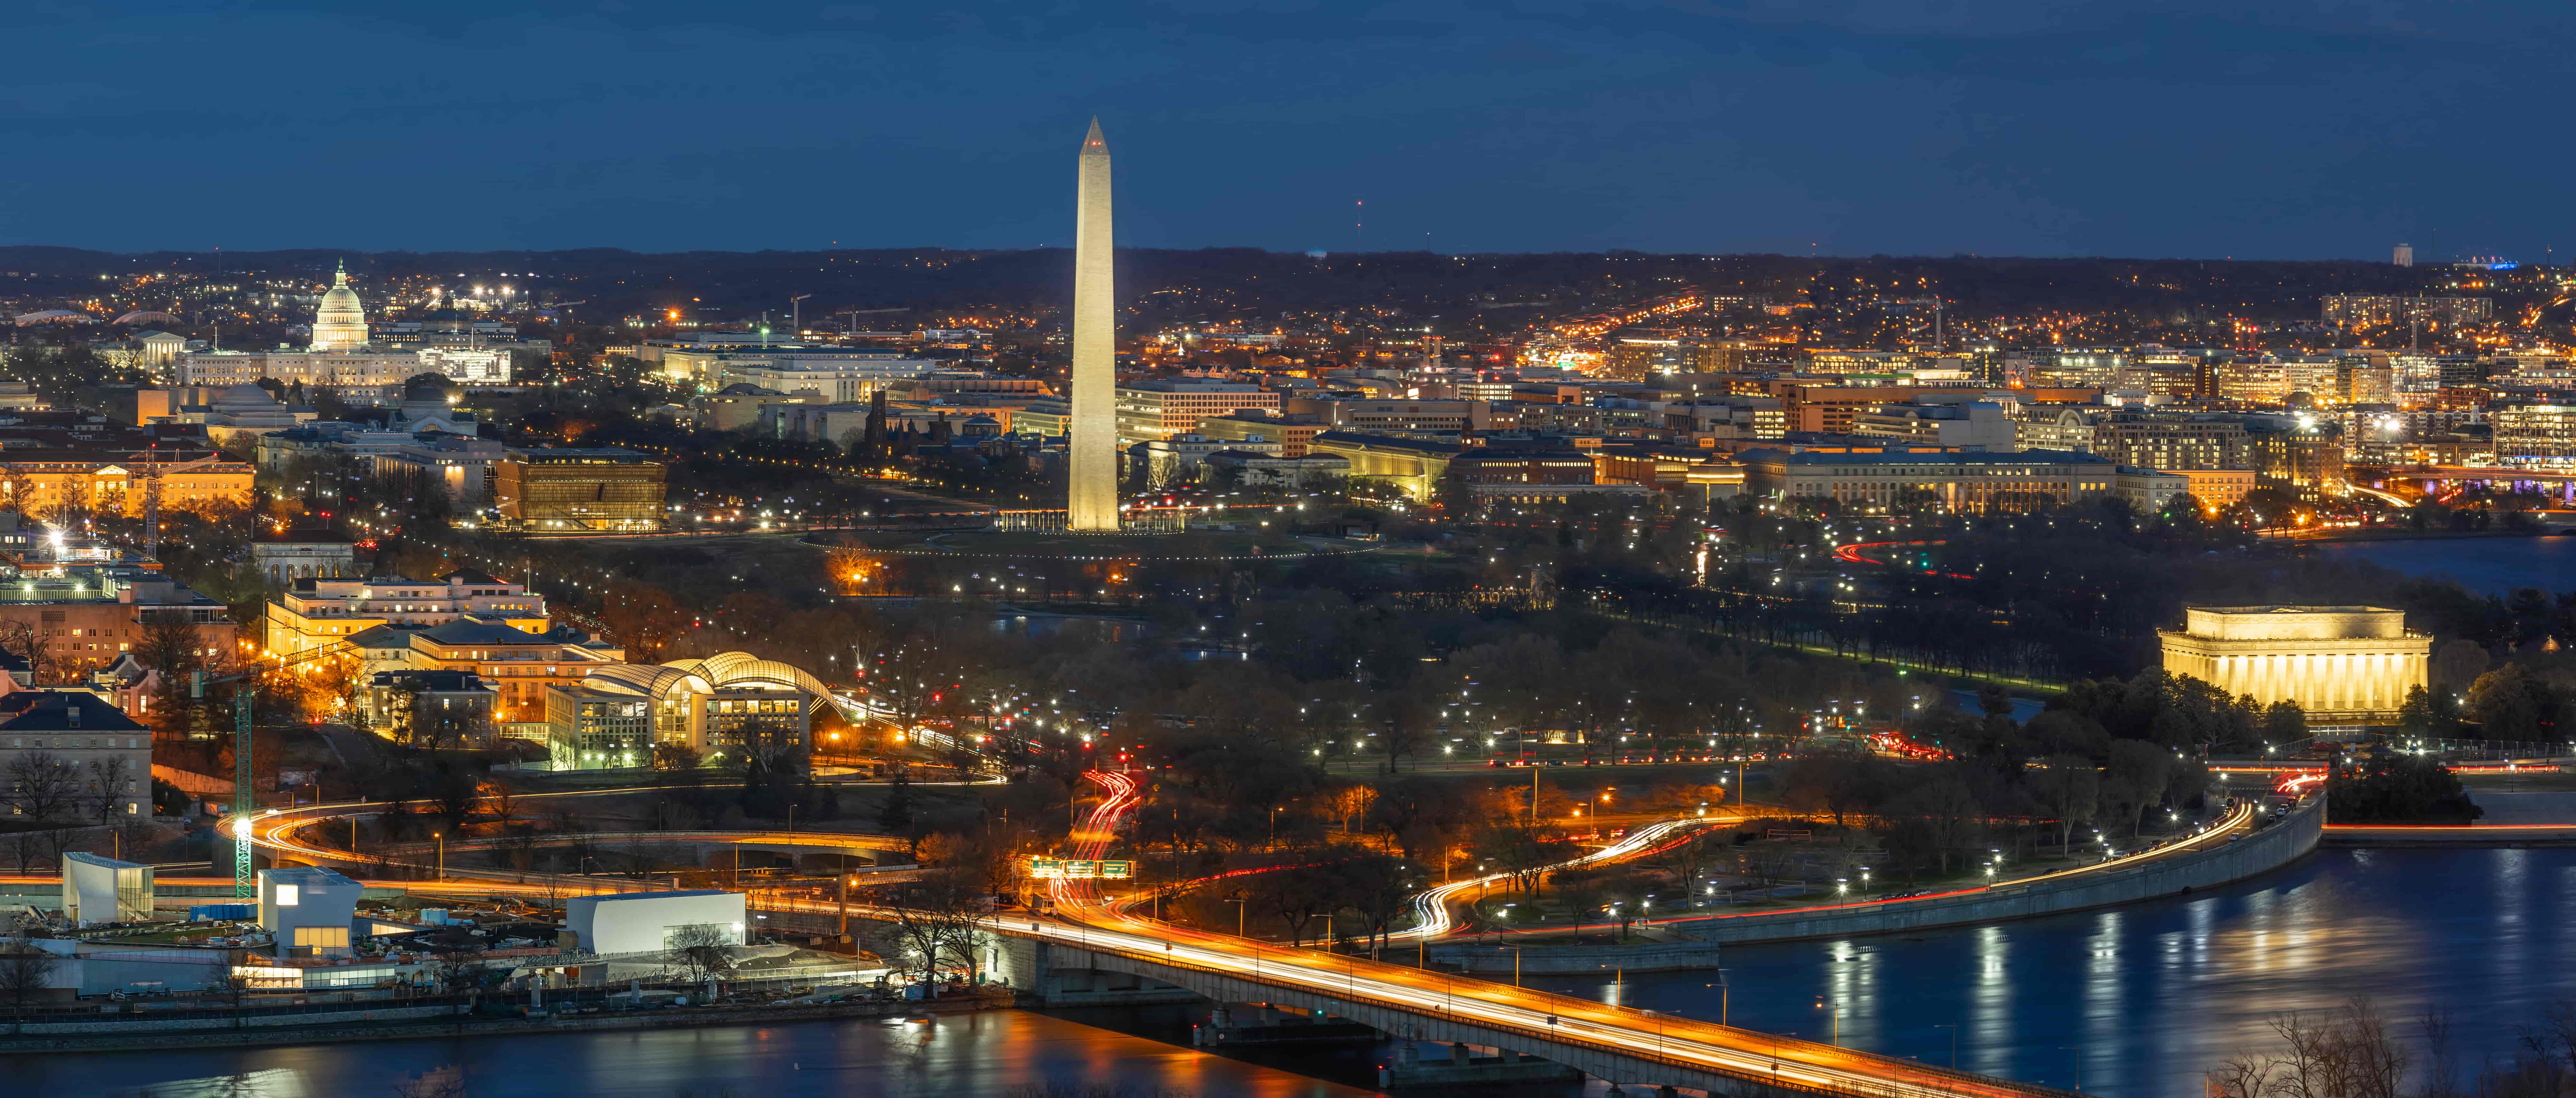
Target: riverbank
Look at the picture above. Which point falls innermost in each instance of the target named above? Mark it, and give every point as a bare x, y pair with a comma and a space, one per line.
2262, 851
159, 1033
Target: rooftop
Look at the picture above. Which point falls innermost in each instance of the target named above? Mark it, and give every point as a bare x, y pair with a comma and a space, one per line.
61, 711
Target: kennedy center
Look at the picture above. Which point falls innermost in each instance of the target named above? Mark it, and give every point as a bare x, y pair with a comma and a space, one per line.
2342, 664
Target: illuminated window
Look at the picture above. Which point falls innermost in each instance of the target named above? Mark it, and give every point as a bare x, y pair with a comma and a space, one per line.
327, 937
289, 895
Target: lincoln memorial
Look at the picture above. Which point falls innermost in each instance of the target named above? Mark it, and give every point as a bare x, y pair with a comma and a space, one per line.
2342, 664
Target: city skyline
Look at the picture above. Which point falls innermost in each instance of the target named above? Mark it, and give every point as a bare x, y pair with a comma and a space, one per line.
2001, 133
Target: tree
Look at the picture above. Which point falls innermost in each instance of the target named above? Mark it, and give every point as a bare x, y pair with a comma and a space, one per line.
44, 789
642, 618
1521, 850
2429, 714
458, 969
700, 950
106, 791
2510, 704
2068, 788
2284, 722
894, 814
2393, 787
1378, 887
675, 755
27, 974
934, 914
2456, 664
2135, 779
2345, 1053
1298, 895
1841, 783
1349, 802
1940, 818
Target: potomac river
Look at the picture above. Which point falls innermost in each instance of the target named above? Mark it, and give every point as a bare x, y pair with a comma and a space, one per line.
2133, 1002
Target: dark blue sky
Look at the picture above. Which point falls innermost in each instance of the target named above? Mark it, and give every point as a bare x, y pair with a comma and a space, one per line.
2172, 128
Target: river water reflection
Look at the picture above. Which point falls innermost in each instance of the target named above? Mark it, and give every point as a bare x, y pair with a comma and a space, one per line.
2138, 1001
2134, 1002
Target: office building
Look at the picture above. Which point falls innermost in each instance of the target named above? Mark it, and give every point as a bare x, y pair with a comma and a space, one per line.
108, 754
2538, 432
2373, 310
1895, 479
1379, 415
84, 616
431, 709
722, 707
317, 613
2170, 441
1157, 409
518, 665
1980, 424
838, 375
1292, 433
2303, 457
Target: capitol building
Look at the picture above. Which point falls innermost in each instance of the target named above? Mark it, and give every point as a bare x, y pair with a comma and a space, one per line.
341, 359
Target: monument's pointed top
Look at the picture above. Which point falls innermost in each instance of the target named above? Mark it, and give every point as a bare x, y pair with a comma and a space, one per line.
1092, 143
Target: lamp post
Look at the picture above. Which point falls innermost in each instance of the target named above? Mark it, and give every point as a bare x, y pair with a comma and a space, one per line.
1953, 1027
1836, 1007
1239, 905
441, 836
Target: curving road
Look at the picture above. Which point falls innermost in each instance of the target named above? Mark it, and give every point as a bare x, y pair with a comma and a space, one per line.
1631, 1037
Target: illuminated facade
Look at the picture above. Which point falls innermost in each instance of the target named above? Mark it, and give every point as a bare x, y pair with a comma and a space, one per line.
2539, 435
579, 489
318, 613
2342, 664
56, 482
2171, 442
341, 323
1091, 450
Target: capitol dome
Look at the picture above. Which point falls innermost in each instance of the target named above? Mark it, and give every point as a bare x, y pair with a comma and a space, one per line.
341, 325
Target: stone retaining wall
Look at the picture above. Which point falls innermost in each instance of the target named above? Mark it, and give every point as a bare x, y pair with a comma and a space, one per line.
2260, 852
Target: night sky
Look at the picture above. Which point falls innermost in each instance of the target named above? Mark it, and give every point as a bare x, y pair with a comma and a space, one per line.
2000, 127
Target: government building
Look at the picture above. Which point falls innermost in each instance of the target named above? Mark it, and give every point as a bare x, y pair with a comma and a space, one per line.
2342, 664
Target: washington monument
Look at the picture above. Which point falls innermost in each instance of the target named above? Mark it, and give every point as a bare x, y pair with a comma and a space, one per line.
1091, 501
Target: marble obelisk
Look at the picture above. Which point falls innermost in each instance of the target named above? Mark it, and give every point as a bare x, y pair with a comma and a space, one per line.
1091, 501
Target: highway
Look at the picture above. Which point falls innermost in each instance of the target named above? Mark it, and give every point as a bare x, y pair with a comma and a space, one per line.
1085, 922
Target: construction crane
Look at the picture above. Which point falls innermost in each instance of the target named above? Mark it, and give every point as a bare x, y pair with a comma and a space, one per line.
245, 801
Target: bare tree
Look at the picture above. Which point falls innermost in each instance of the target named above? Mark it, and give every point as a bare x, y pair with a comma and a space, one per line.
2345, 1053
44, 789
458, 970
26, 975
700, 950
934, 914
107, 794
